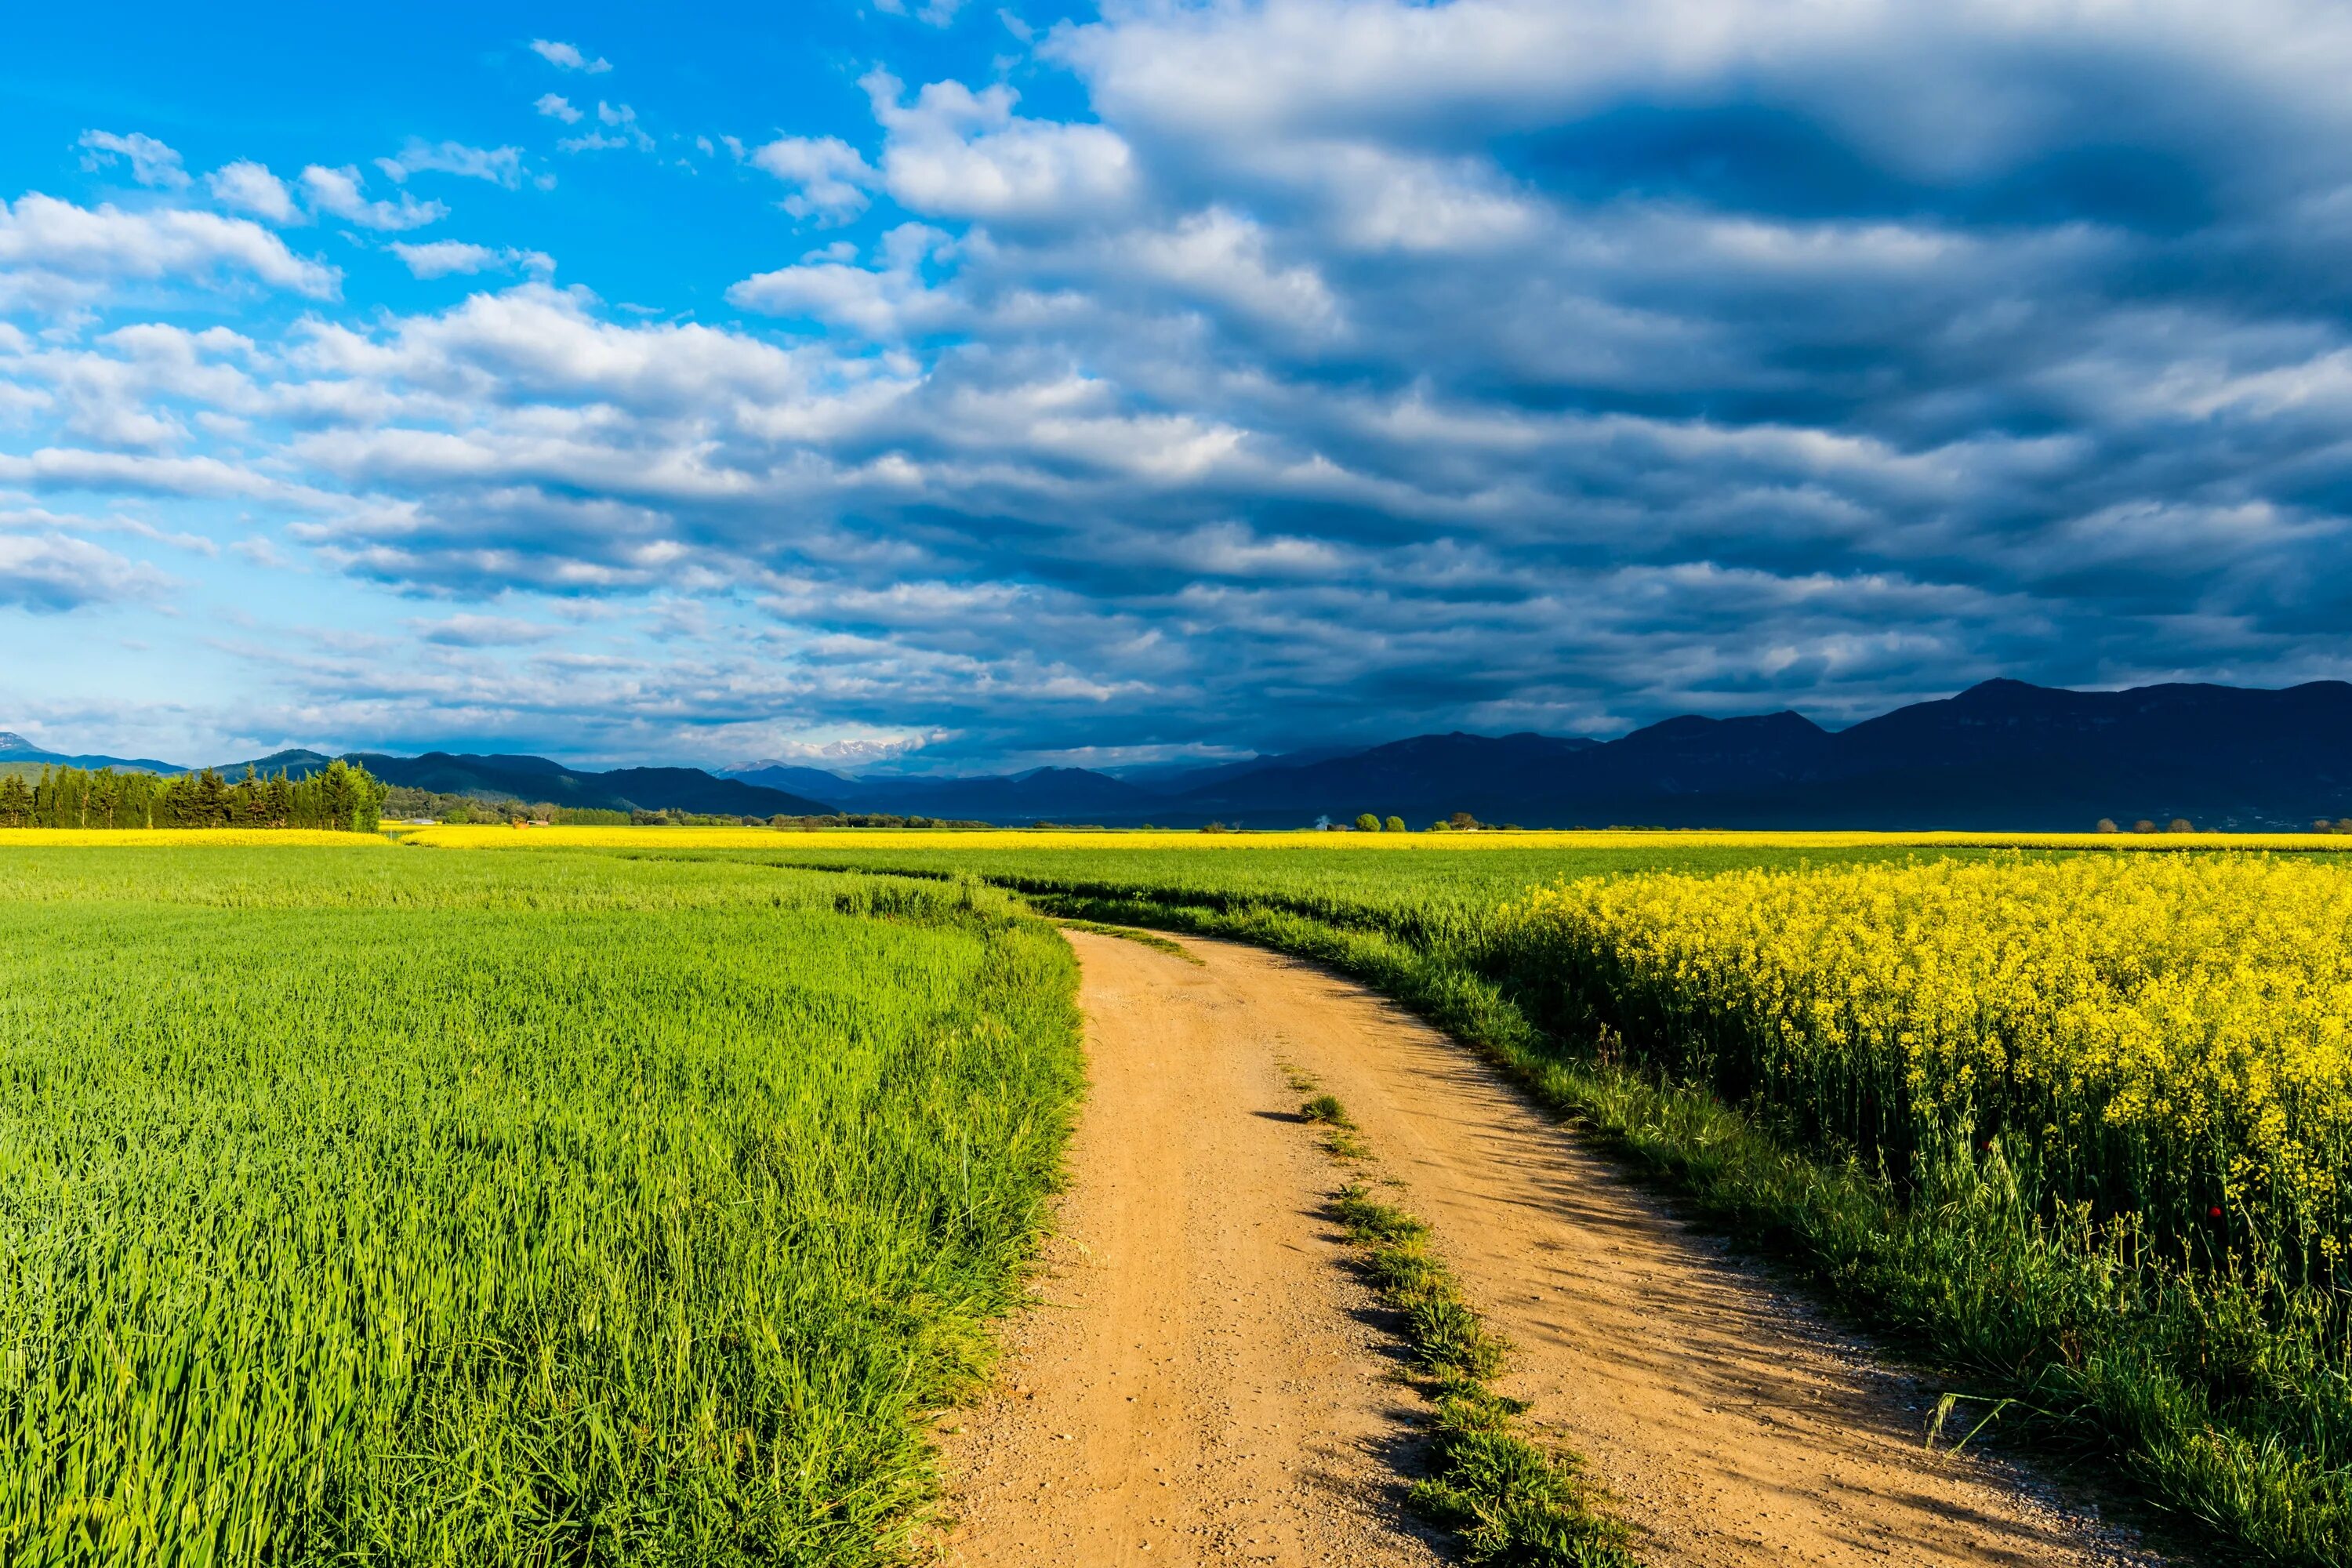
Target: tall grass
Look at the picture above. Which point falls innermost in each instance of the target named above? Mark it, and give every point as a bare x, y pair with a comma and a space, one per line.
377, 1207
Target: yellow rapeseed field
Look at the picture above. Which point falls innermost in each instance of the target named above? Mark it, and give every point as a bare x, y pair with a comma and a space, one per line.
2166, 1036
500, 836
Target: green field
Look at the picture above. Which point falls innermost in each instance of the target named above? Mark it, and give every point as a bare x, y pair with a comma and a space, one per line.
633, 1204
385, 1206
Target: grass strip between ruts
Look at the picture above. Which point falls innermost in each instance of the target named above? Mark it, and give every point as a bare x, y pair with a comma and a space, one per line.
1150, 939
1511, 1502
1980, 1292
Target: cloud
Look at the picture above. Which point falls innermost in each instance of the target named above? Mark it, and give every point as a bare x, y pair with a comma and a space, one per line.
51, 250
956, 152
483, 631
339, 191
56, 573
555, 106
440, 258
251, 187
855, 751
621, 130
831, 176
1322, 368
151, 163
500, 165
886, 301
566, 56
932, 13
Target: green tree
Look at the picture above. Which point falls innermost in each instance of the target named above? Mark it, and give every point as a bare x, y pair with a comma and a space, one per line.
15, 802
1394, 825
1367, 823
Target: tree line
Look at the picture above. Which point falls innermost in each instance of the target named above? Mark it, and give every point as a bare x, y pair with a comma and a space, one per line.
342, 797
403, 803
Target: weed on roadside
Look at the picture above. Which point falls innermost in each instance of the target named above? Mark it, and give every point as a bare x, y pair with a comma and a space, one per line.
1150, 939
1511, 1502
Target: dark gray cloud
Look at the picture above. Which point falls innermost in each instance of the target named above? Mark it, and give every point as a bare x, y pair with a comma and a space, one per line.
1347, 367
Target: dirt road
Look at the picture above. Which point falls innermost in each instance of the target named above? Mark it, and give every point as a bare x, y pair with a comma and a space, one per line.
1203, 1386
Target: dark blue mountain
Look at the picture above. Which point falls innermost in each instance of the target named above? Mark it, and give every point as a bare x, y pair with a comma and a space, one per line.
17, 749
2000, 755
1067, 795
537, 780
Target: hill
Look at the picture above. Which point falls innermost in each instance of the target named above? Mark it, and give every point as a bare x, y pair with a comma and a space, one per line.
15, 750
2000, 755
1065, 795
536, 779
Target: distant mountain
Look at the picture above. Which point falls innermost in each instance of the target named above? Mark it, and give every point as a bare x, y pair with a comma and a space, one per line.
1041, 794
2000, 755
1404, 775
536, 779
800, 779
17, 749
1179, 778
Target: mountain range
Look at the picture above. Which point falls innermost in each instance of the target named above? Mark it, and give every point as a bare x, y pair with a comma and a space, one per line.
2000, 755
537, 780
15, 749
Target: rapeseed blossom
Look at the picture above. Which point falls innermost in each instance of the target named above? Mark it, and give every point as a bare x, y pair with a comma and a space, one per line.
2164, 1037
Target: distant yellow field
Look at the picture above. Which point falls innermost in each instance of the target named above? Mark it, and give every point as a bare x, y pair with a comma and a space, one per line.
137, 838
498, 836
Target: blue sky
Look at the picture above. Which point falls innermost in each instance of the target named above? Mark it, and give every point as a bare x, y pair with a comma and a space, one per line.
940, 385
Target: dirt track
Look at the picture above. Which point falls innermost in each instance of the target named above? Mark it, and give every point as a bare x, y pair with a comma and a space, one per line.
1202, 1387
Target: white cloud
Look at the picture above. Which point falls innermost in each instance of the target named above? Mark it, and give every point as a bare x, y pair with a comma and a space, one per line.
555, 106
251, 187
441, 258
1219, 256
340, 193
483, 631
956, 152
66, 468
830, 173
56, 572
151, 163
500, 165
622, 131
78, 247
567, 57
935, 13
890, 301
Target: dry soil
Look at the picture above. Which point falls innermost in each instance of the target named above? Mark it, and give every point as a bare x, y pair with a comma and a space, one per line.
1204, 1381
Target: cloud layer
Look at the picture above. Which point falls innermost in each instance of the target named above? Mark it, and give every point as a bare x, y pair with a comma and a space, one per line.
1244, 374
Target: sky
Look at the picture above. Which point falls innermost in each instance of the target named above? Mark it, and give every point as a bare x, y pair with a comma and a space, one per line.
931, 385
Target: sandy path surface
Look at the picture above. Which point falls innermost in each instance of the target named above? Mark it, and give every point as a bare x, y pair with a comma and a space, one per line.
1200, 1385
1203, 1333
